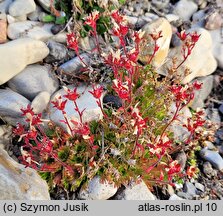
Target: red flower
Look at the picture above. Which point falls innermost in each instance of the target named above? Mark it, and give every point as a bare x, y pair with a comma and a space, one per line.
194, 37
36, 119
191, 171
174, 167
72, 42
197, 85
97, 92
28, 111
156, 36
60, 105
121, 89
72, 95
117, 17
19, 130
182, 35
31, 134
91, 19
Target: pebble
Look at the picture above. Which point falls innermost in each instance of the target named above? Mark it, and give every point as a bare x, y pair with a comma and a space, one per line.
221, 108
136, 192
217, 46
213, 115
74, 66
190, 189
213, 21
160, 4
21, 7
97, 191
20, 183
184, 195
40, 102
185, 9
34, 16
198, 18
58, 52
3, 29
175, 197
31, 29
85, 101
163, 25
5, 135
201, 95
45, 4
18, 54
33, 80
4, 6
10, 106
112, 101
201, 62
208, 170
199, 186
55, 29
213, 157
181, 157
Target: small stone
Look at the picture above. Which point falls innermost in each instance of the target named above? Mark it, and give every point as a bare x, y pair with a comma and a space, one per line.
213, 115
160, 4
112, 101
199, 186
33, 80
182, 159
5, 135
146, 51
58, 52
4, 6
208, 170
136, 192
55, 29
31, 29
3, 30
184, 195
209, 145
175, 197
74, 66
45, 4
201, 95
190, 189
199, 18
18, 54
98, 191
34, 16
185, 9
40, 102
10, 106
213, 21
221, 108
85, 101
217, 46
213, 157
20, 183
21, 7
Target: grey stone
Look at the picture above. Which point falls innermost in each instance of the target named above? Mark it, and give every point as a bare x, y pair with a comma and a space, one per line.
175, 197
85, 101
55, 29
221, 108
97, 191
58, 52
33, 80
217, 46
34, 16
74, 66
112, 101
4, 6
160, 4
18, 54
208, 170
31, 29
20, 183
185, 9
190, 189
184, 195
40, 102
21, 7
10, 106
199, 186
213, 115
213, 20
201, 95
213, 157
182, 159
45, 4
5, 135
136, 192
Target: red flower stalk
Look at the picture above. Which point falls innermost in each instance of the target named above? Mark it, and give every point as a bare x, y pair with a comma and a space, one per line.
60, 105
182, 35
117, 17
92, 19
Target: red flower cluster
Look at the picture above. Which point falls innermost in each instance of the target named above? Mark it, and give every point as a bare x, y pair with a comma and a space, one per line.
72, 42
